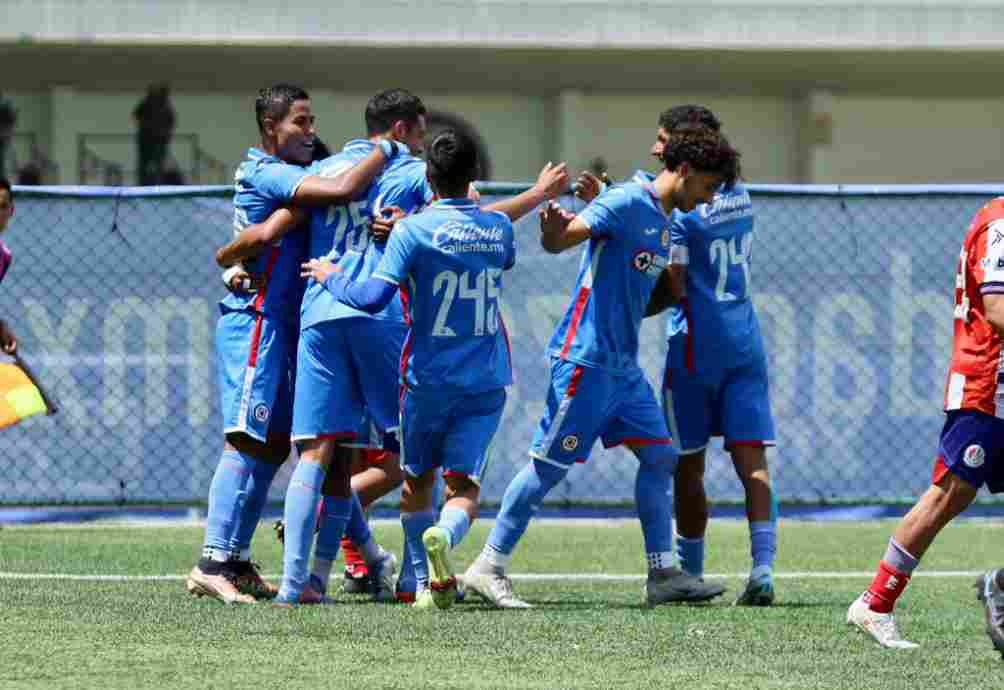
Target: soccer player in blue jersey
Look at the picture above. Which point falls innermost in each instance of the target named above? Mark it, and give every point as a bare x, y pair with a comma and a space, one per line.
598, 389
456, 363
715, 380
256, 337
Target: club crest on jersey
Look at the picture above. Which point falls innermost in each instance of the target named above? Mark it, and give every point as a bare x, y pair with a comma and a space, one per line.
665, 238
974, 456
261, 412
649, 263
570, 442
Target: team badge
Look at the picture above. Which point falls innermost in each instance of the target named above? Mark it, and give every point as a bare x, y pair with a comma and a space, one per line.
261, 412
643, 261
974, 456
665, 238
570, 442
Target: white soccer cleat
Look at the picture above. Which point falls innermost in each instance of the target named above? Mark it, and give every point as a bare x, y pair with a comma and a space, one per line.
221, 586
494, 588
881, 626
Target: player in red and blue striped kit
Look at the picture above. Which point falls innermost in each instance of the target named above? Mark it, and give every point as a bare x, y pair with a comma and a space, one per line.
598, 389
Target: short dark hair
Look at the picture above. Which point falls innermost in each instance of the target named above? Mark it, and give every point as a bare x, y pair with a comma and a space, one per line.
705, 150
453, 161
5, 184
387, 107
274, 102
689, 114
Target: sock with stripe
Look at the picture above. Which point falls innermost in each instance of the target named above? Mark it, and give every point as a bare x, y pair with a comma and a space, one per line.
262, 474
891, 579
228, 495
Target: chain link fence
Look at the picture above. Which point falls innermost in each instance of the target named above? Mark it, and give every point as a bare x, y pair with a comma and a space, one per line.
113, 297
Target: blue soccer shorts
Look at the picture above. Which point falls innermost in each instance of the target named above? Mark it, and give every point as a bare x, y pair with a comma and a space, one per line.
732, 402
449, 430
972, 447
586, 403
371, 438
255, 364
344, 368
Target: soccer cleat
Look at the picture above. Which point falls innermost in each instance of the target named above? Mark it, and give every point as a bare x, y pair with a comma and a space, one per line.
354, 583
992, 597
881, 626
382, 577
495, 588
759, 592
249, 580
442, 582
220, 586
357, 580
424, 601
312, 595
678, 586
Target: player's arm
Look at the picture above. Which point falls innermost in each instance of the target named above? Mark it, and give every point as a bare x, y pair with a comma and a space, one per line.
370, 295
315, 190
672, 285
561, 230
551, 183
254, 238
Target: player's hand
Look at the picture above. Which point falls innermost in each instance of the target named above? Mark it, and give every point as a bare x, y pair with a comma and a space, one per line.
8, 343
553, 180
318, 270
554, 219
473, 194
383, 223
244, 282
589, 186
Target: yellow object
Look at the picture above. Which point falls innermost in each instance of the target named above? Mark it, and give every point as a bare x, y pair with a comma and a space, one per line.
19, 397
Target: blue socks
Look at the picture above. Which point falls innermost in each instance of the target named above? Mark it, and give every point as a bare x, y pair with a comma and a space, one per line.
262, 474
229, 504
522, 499
300, 515
456, 522
763, 545
691, 554
414, 525
655, 510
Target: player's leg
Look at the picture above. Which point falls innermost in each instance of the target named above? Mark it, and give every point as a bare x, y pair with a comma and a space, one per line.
970, 443
326, 411
467, 450
748, 427
640, 425
687, 402
575, 411
250, 360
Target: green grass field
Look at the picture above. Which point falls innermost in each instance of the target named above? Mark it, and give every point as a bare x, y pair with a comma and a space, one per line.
146, 633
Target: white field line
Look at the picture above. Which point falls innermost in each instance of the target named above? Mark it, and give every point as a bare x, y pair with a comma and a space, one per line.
531, 577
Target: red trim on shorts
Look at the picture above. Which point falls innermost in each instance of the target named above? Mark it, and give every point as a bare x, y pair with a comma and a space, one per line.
641, 442
580, 306
337, 436
454, 473
255, 341
573, 384
374, 457
940, 470
750, 444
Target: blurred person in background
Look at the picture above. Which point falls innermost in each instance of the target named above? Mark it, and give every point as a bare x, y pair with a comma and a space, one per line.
8, 118
8, 343
155, 119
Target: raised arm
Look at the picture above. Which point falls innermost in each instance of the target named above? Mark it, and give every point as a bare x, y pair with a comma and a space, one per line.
254, 238
551, 183
561, 230
315, 190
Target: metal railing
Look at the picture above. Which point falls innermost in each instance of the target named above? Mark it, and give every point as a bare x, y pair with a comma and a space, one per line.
111, 159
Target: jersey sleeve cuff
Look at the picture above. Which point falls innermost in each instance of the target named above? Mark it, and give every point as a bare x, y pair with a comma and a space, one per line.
992, 288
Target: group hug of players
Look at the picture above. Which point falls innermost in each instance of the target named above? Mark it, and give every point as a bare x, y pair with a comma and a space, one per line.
397, 344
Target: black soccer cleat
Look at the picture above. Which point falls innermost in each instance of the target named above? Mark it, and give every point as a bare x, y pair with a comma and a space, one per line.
990, 593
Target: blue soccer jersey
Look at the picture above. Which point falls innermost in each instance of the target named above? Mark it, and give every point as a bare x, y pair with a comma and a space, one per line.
449, 259
621, 264
262, 184
715, 242
341, 233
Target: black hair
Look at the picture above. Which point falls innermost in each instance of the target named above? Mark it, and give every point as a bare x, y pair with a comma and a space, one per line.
453, 162
689, 114
5, 184
705, 150
275, 102
387, 107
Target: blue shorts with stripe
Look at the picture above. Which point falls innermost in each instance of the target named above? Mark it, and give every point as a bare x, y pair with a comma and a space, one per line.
587, 403
728, 401
346, 368
449, 430
255, 357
